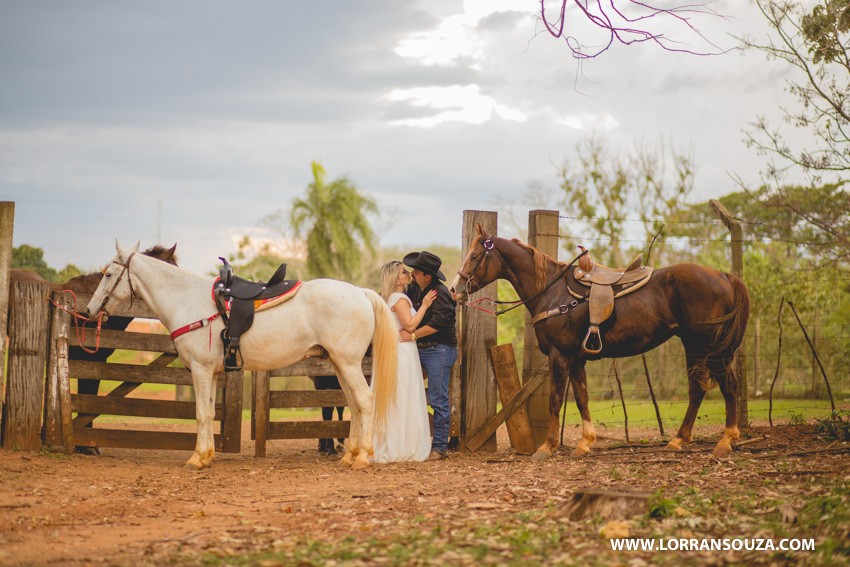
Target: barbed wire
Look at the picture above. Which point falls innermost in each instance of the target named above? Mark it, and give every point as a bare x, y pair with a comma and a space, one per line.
690, 239
640, 220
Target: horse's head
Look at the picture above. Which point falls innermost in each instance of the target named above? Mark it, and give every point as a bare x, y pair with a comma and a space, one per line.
116, 285
481, 266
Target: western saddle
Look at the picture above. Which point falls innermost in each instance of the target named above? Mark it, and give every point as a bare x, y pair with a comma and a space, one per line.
237, 299
600, 285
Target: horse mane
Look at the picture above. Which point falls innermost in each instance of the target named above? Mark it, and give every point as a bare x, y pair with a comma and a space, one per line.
541, 262
160, 252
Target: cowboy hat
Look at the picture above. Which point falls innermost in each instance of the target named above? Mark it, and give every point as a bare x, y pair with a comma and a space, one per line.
425, 262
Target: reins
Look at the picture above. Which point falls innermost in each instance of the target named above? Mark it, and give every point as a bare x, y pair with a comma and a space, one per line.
81, 335
489, 245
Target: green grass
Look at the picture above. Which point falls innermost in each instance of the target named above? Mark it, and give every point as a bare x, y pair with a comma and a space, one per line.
642, 413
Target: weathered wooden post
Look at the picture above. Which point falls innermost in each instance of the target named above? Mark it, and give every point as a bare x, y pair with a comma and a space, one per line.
478, 383
25, 387
7, 225
231, 423
736, 229
543, 234
518, 424
58, 428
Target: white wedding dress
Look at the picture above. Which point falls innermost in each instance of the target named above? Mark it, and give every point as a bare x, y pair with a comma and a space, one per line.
408, 435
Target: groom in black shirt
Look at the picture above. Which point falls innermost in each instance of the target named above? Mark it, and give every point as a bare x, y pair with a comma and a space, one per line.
435, 337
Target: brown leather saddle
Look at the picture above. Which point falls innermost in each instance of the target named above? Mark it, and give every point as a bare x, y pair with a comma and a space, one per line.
236, 299
600, 285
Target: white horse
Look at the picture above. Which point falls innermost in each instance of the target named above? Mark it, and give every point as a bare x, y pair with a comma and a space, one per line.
336, 316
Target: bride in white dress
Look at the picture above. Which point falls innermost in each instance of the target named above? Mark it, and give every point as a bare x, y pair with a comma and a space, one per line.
407, 435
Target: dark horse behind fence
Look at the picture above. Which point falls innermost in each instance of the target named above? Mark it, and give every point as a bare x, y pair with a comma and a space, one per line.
706, 308
86, 284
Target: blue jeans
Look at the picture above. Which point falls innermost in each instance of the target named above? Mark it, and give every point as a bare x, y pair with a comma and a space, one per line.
437, 361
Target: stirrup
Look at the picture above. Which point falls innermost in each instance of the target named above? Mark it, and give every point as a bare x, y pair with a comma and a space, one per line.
593, 332
232, 352
233, 359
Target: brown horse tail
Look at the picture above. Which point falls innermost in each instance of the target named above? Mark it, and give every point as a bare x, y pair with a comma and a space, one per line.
730, 335
384, 359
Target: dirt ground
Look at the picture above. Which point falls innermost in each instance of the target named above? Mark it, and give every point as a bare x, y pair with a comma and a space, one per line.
134, 507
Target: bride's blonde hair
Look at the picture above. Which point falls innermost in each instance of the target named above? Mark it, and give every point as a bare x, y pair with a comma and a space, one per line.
389, 278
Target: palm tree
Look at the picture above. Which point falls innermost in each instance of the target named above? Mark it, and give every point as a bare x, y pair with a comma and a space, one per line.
333, 220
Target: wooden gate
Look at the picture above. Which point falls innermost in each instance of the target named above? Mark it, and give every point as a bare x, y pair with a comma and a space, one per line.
265, 399
62, 429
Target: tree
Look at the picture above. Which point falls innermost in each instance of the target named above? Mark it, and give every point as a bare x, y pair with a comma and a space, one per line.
815, 43
258, 263
605, 190
333, 219
26, 257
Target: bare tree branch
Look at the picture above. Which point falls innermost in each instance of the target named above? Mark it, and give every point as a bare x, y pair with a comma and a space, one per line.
620, 26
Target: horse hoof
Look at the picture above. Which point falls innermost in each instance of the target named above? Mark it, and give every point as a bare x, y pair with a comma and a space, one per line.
540, 455
192, 466
347, 458
674, 444
580, 451
360, 465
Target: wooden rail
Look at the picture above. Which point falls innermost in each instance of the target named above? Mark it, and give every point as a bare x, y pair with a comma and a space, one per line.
265, 399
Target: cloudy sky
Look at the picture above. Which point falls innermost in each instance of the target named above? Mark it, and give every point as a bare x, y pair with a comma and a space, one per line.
190, 121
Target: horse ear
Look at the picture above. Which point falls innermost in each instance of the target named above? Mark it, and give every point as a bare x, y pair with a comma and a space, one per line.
121, 253
480, 229
170, 253
136, 247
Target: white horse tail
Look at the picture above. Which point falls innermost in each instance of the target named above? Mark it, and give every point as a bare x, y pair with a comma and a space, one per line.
384, 358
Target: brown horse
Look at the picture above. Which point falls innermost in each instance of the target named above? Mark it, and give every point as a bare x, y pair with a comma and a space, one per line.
86, 285
706, 308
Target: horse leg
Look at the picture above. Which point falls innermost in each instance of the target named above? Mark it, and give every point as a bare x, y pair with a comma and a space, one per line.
359, 443
559, 374
728, 383
578, 378
204, 384
698, 377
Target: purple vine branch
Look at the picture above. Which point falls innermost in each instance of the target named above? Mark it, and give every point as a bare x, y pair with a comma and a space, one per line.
608, 16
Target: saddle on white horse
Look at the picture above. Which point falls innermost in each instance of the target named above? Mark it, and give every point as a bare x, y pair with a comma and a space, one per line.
237, 299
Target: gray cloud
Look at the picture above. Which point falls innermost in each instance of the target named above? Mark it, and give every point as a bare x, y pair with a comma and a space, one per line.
216, 109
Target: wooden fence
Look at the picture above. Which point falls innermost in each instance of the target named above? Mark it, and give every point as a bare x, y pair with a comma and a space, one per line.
41, 408
63, 430
265, 399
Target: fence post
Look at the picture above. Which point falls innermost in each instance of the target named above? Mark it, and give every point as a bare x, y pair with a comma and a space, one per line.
543, 234
736, 229
7, 225
478, 381
756, 356
27, 345
518, 424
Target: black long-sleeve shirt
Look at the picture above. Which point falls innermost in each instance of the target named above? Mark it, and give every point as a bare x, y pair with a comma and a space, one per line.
441, 314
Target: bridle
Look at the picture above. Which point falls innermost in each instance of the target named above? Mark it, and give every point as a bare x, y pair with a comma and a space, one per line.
125, 270
489, 245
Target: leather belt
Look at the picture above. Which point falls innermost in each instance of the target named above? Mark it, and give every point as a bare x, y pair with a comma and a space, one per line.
427, 344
